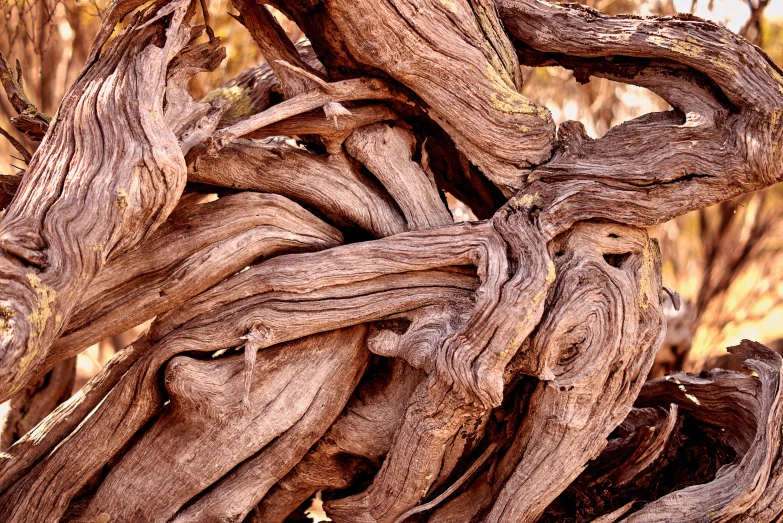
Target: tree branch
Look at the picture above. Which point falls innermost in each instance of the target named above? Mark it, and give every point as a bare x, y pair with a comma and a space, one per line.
82, 202
660, 165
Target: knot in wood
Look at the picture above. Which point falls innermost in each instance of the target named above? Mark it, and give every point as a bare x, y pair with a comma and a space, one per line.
257, 337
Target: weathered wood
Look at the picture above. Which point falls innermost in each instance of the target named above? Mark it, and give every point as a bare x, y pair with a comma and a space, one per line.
658, 166
199, 246
191, 121
244, 487
474, 372
326, 93
275, 46
387, 152
690, 473
748, 489
30, 122
291, 406
467, 74
467, 377
332, 131
330, 184
49, 486
28, 407
65, 418
73, 211
251, 91
357, 441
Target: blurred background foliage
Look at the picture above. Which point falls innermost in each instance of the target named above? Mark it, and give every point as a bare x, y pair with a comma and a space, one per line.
725, 261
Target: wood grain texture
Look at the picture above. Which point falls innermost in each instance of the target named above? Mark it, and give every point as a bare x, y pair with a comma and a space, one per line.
745, 489
597, 346
275, 46
46, 435
387, 152
323, 325
358, 440
660, 165
31, 405
72, 213
341, 193
456, 56
199, 246
291, 406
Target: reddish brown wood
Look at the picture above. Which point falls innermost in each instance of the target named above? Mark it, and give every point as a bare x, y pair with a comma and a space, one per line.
323, 325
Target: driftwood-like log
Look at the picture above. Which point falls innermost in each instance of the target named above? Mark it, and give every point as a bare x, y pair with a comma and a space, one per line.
323, 326
73, 212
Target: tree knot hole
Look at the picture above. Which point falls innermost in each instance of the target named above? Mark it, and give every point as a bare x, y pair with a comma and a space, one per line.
616, 260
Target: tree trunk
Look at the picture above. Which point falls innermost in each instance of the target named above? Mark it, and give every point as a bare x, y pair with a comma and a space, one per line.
410, 368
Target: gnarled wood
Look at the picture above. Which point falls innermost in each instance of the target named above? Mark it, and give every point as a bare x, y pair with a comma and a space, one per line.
275, 46
17, 460
28, 407
358, 440
199, 246
387, 152
657, 166
331, 184
225, 433
72, 213
424, 370
467, 75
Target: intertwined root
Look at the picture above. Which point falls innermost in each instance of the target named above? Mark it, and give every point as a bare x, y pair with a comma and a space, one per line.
413, 368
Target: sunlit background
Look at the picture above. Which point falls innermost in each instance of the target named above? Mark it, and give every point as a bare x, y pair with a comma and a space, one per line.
725, 261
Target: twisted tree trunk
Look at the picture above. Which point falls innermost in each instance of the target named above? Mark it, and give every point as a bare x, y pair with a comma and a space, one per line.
410, 368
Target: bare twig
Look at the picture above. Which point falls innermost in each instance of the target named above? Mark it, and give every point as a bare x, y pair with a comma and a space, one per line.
26, 156
31, 121
342, 91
